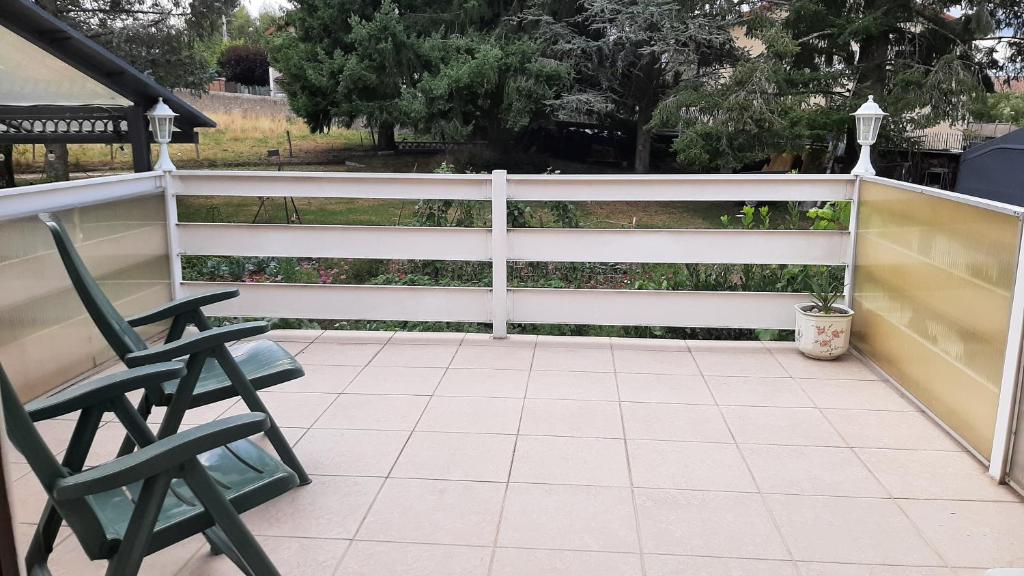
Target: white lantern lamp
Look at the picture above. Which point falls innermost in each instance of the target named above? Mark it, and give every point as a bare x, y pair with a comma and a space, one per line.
161, 123
869, 120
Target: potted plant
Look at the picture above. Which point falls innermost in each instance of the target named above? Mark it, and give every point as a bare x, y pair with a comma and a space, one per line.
823, 325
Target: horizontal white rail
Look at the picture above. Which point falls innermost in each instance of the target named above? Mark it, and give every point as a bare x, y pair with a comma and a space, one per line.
31, 200
951, 196
333, 185
683, 187
654, 308
387, 242
684, 246
323, 301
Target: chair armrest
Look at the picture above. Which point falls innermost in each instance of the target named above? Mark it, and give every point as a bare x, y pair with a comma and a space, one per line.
102, 389
161, 456
181, 306
206, 340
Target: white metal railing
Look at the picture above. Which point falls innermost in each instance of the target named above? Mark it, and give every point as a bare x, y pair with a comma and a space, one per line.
500, 305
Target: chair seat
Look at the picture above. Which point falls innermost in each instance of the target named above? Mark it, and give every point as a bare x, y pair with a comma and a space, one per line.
246, 474
264, 362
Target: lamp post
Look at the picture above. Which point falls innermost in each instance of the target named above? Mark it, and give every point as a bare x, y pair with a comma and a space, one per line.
161, 122
869, 120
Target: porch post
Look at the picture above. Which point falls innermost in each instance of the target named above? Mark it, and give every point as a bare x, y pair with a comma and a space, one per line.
499, 254
138, 137
1011, 374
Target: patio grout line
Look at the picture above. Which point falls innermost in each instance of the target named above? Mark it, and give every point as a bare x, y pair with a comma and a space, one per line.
391, 469
629, 465
511, 464
771, 515
917, 529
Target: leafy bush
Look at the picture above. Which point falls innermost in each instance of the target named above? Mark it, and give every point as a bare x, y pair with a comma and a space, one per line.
245, 64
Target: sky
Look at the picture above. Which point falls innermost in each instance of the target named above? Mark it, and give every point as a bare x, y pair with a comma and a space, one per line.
256, 6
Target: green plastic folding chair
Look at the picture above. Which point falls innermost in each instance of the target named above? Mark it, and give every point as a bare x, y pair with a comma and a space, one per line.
215, 370
197, 481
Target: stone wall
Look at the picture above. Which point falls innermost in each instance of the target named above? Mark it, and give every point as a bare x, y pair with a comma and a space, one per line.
228, 103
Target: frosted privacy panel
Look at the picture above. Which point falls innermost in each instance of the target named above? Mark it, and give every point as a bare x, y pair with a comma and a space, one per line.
30, 75
933, 284
46, 337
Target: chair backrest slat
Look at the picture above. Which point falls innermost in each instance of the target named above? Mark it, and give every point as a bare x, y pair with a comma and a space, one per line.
121, 337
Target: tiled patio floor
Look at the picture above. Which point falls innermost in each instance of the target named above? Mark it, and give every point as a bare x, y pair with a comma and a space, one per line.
452, 455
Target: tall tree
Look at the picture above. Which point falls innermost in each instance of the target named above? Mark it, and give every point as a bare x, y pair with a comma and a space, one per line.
629, 55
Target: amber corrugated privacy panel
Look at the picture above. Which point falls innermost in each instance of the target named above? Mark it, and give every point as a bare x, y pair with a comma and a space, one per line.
934, 279
46, 337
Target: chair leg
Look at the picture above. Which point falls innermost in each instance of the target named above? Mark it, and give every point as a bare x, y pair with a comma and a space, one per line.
228, 521
139, 532
41, 546
255, 404
219, 544
145, 408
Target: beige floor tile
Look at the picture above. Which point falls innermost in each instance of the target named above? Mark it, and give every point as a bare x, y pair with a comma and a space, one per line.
306, 336
27, 499
291, 436
455, 456
400, 559
355, 336
660, 565
198, 415
573, 359
654, 362
23, 534
350, 452
573, 342
310, 556
585, 418
68, 559
845, 367
729, 524
416, 355
330, 507
876, 429
106, 444
512, 340
855, 395
56, 434
688, 465
320, 378
854, 530
499, 357
790, 426
338, 354
668, 388
684, 422
374, 412
561, 385
725, 345
935, 475
565, 460
664, 344
569, 517
820, 569
290, 409
427, 338
810, 470
483, 382
16, 470
396, 380
522, 562
972, 534
435, 511
466, 414
739, 363
753, 391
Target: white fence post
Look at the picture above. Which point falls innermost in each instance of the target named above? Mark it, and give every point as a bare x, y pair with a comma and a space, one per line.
1006, 409
173, 251
852, 249
499, 253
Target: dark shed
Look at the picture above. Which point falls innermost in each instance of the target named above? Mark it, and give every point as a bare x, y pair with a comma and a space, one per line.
994, 170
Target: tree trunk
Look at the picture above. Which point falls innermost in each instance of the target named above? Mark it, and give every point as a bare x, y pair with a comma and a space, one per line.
7, 166
642, 156
56, 170
386, 136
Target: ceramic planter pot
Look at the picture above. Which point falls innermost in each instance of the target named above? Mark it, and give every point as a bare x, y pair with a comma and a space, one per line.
823, 336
